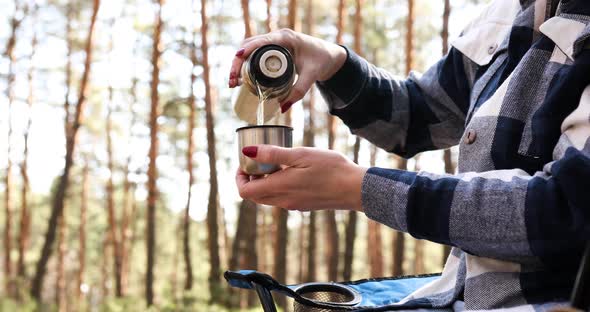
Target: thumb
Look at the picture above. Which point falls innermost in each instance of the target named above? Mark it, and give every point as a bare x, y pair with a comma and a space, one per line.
271, 154
300, 88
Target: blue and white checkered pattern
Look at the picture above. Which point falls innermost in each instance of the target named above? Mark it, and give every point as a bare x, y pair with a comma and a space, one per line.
518, 211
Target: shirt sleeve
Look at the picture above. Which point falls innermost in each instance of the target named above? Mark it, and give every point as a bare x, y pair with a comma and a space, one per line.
403, 116
502, 214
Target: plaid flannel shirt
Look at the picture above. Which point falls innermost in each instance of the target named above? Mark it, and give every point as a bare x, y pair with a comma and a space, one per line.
514, 94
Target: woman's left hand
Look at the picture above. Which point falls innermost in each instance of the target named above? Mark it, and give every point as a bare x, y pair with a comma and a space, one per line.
311, 179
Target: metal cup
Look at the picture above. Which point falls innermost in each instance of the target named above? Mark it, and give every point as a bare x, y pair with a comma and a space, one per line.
267, 134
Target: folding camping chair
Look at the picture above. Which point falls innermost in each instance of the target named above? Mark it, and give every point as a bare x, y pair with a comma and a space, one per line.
371, 294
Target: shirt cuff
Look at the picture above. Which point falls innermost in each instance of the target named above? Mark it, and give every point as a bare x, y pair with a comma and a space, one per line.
384, 196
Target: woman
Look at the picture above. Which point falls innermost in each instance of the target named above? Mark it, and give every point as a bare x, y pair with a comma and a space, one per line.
514, 93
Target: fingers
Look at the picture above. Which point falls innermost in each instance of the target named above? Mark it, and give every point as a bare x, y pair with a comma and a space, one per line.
268, 190
242, 179
271, 154
300, 88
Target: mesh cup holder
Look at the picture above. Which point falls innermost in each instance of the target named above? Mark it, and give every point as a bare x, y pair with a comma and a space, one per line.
334, 294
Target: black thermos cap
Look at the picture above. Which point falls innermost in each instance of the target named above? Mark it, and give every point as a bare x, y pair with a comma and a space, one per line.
263, 80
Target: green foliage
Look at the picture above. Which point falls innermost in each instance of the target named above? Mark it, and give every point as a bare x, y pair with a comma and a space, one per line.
26, 306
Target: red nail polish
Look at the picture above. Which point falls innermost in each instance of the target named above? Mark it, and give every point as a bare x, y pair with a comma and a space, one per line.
232, 75
240, 52
285, 106
250, 151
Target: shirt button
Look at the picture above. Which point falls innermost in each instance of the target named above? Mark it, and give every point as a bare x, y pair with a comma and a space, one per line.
492, 48
470, 137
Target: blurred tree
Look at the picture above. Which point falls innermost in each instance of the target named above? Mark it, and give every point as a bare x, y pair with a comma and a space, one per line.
25, 215
129, 211
153, 154
110, 189
60, 281
269, 23
70, 13
352, 215
309, 140
399, 238
280, 215
265, 231
213, 206
188, 268
60, 193
244, 255
82, 235
15, 22
332, 240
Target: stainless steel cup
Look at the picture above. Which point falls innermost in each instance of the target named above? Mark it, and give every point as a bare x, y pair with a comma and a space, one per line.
267, 134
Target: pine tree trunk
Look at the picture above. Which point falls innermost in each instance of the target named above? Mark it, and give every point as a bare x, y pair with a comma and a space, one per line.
111, 219
352, 215
332, 241
308, 259
213, 206
449, 167
60, 285
280, 216
237, 248
292, 17
128, 213
188, 268
269, 23
153, 154
280, 251
248, 211
175, 259
68, 69
249, 251
25, 215
9, 53
244, 255
60, 193
398, 238
247, 22
410, 37
264, 233
104, 271
82, 235
309, 140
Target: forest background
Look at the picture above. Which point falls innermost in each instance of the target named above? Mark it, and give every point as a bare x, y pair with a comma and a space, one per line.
118, 151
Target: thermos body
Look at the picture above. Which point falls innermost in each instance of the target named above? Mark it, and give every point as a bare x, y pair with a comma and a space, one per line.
269, 73
271, 69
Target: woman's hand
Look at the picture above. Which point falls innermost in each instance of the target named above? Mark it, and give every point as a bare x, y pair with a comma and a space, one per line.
311, 179
315, 60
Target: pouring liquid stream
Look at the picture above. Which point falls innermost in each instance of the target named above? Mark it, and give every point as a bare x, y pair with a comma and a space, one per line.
263, 96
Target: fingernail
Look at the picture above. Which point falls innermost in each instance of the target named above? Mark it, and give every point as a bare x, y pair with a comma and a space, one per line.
232, 75
285, 106
240, 52
232, 82
250, 151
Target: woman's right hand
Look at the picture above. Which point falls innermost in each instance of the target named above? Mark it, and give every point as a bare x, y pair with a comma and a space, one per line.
315, 60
